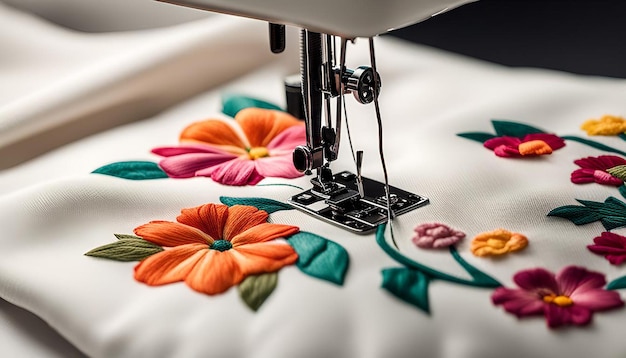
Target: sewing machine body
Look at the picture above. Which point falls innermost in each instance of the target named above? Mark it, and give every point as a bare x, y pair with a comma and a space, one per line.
344, 18
347, 200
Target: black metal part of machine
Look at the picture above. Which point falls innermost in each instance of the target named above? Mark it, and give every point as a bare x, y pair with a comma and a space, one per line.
346, 208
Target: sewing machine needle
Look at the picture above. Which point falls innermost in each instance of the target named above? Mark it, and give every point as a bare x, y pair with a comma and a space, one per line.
359, 177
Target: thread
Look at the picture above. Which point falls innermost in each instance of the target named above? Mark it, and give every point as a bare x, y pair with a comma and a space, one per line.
381, 153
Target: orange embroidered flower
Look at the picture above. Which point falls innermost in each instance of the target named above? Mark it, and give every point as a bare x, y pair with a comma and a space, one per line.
214, 247
606, 125
497, 242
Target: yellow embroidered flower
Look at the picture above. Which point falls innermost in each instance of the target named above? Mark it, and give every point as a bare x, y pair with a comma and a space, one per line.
497, 242
606, 125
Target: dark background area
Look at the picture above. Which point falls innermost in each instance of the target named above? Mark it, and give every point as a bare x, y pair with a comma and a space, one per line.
579, 36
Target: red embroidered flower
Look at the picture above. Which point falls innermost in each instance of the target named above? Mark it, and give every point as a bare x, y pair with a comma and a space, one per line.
594, 170
567, 298
611, 246
436, 235
258, 144
533, 144
214, 247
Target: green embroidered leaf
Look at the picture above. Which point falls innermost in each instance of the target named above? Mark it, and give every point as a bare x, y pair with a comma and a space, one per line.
513, 129
127, 237
126, 249
477, 136
269, 205
611, 213
618, 172
408, 285
254, 290
134, 170
579, 215
232, 104
319, 257
593, 144
622, 135
617, 284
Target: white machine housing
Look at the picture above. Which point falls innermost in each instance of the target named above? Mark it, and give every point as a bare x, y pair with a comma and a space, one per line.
344, 18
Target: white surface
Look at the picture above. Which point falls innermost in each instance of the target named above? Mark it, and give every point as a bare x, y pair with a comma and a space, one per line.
53, 211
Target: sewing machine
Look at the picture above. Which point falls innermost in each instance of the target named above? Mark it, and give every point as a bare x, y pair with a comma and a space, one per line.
346, 199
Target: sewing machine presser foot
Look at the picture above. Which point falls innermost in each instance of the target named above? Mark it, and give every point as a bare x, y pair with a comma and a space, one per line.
341, 203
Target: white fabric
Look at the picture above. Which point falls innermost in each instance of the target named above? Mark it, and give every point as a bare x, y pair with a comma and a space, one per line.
55, 78
53, 211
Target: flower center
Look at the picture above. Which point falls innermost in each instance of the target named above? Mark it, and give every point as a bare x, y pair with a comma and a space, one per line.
221, 245
534, 147
561, 301
258, 152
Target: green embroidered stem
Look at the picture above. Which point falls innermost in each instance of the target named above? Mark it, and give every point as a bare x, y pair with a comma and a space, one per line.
622, 190
594, 144
480, 279
622, 135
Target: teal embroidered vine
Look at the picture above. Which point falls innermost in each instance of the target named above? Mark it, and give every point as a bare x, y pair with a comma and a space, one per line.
410, 283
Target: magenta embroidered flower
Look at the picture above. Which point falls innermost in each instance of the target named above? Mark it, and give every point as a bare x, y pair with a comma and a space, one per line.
594, 170
258, 144
436, 235
533, 144
611, 246
568, 298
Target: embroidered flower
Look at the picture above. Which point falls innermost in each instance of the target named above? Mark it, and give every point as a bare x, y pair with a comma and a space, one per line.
595, 170
606, 125
214, 247
611, 246
568, 298
497, 242
258, 144
533, 144
436, 235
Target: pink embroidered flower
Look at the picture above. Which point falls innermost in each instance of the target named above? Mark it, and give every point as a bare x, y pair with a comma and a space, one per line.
258, 144
611, 246
530, 145
568, 298
436, 235
594, 170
